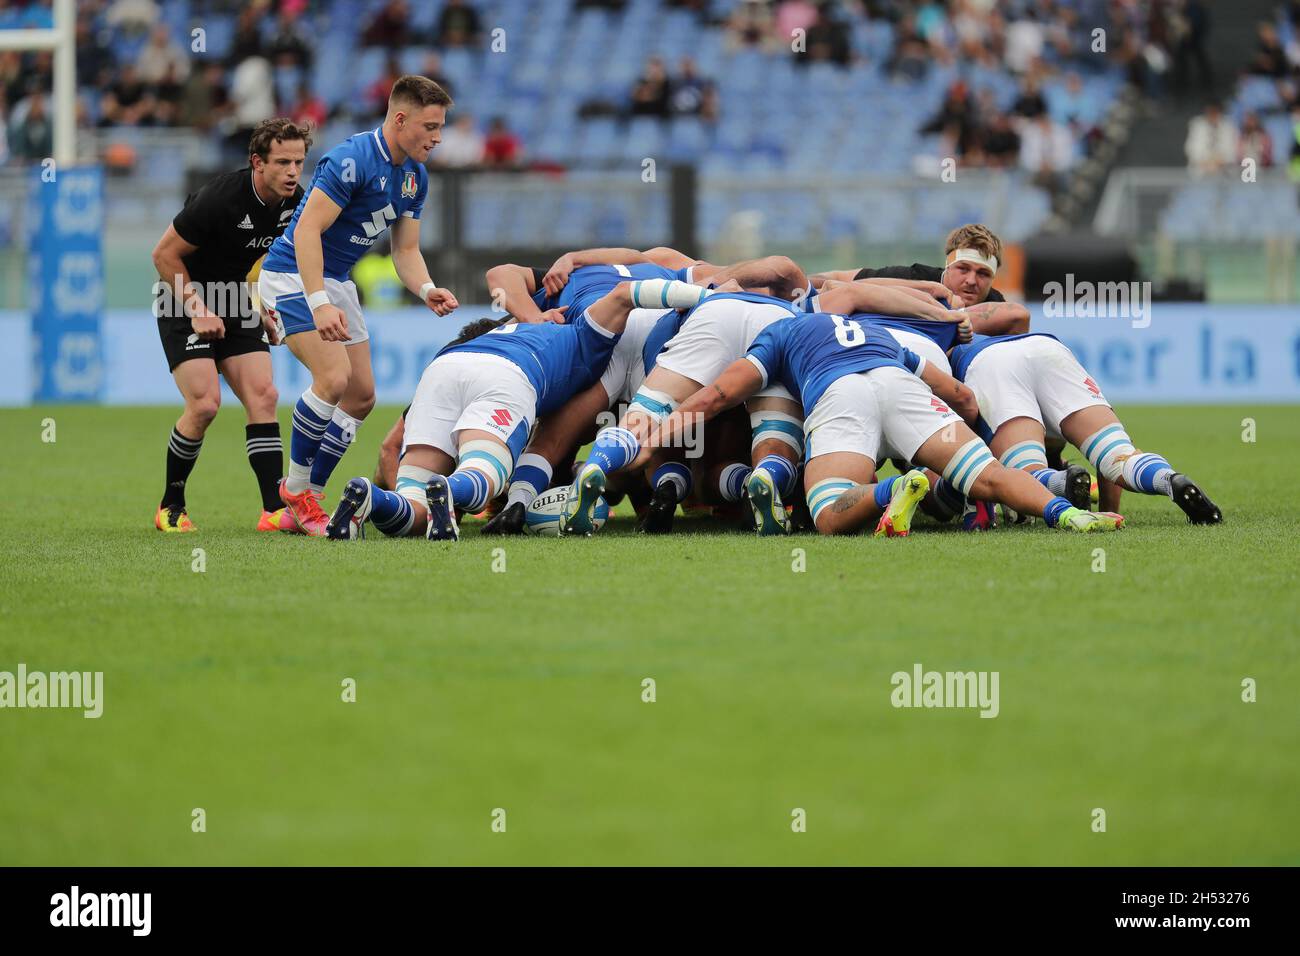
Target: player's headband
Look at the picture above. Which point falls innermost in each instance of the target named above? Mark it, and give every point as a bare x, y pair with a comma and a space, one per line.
975, 256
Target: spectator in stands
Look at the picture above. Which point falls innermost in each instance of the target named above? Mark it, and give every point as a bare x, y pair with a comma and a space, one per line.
501, 148
910, 58
308, 108
956, 116
458, 25
828, 39
652, 92
168, 93
204, 101
1046, 152
247, 40
432, 68
751, 26
377, 92
94, 55
1025, 39
1191, 46
390, 27
31, 133
692, 94
162, 56
127, 101
132, 16
1000, 143
1211, 144
1254, 142
462, 144
1029, 103
252, 96
1270, 57
288, 45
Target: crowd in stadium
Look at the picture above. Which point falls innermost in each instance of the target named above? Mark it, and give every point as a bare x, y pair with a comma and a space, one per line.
1036, 110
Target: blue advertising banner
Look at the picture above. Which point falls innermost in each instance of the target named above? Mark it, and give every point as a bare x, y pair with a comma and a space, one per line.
1188, 354
66, 283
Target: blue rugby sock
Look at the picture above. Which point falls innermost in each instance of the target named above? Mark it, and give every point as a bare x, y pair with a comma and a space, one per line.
311, 417
948, 498
782, 471
731, 483
390, 512
885, 490
1051, 479
339, 434
613, 449
1148, 473
676, 474
469, 489
1053, 510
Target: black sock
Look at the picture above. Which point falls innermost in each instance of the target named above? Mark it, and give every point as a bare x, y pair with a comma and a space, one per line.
266, 455
182, 453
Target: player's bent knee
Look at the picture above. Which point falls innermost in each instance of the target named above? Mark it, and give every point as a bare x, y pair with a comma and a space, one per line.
1107, 449
411, 482
205, 407
492, 460
821, 497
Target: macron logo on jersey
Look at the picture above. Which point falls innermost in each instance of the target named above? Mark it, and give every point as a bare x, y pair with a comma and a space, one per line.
379, 220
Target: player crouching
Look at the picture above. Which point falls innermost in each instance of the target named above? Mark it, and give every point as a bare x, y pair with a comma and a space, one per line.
867, 398
476, 404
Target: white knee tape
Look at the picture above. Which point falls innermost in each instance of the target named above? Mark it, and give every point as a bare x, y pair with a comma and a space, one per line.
1107, 450
1025, 455
658, 405
967, 464
824, 493
767, 425
411, 480
492, 459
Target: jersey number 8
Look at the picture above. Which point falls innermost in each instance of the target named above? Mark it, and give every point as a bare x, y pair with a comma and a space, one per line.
847, 332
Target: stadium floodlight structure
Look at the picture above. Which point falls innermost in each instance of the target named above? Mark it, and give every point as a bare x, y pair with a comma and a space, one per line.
61, 38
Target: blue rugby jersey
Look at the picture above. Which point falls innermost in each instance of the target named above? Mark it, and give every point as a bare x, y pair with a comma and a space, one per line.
808, 353
588, 283
360, 177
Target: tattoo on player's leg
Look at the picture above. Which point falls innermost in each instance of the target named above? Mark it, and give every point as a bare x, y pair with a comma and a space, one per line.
848, 499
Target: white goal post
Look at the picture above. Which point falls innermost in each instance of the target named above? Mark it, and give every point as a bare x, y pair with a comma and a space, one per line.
60, 39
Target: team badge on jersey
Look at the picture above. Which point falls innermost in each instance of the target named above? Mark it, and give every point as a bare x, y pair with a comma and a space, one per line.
408, 185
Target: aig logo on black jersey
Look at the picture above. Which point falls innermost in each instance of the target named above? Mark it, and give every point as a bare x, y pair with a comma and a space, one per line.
263, 243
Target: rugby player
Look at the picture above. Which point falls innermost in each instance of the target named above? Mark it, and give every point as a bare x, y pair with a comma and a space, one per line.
476, 403
371, 182
205, 316
715, 334
1031, 386
867, 398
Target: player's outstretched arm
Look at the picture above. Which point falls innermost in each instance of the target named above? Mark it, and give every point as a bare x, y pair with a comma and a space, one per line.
780, 275
998, 318
869, 296
514, 286
738, 383
557, 277
819, 279
957, 395
670, 258
318, 215
414, 271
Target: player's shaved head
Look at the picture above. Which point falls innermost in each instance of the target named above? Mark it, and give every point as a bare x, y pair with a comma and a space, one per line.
413, 93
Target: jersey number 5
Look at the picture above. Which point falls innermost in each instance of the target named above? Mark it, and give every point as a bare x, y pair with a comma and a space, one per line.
847, 332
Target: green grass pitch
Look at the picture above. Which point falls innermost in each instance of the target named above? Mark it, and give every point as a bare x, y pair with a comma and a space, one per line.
522, 690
